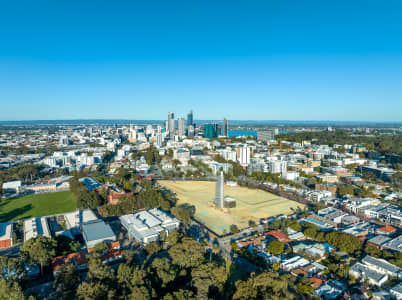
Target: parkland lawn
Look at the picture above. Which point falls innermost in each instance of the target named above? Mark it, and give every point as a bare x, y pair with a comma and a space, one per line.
37, 205
252, 204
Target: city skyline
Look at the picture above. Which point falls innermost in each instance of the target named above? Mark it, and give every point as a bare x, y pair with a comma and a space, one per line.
261, 61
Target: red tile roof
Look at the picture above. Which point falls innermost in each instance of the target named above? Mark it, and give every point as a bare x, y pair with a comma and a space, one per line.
387, 229
76, 258
315, 282
280, 236
112, 254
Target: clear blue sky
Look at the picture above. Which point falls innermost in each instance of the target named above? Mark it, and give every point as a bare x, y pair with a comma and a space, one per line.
255, 60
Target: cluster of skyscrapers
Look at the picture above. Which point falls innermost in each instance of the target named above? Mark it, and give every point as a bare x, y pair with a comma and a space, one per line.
189, 128
213, 130
183, 128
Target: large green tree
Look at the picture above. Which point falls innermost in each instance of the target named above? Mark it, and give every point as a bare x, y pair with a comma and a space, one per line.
209, 279
93, 291
189, 253
275, 247
266, 285
343, 241
10, 290
164, 270
66, 279
40, 249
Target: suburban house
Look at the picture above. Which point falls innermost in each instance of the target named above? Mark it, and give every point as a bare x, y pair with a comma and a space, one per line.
77, 259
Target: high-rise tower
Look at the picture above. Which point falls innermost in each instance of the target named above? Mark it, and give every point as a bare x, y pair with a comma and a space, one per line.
243, 155
211, 131
180, 127
225, 127
171, 126
190, 118
132, 137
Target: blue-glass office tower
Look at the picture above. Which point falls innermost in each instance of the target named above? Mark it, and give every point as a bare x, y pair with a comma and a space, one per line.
190, 118
211, 131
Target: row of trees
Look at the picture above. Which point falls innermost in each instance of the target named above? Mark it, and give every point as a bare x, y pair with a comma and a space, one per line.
148, 197
343, 241
181, 270
85, 199
380, 143
25, 173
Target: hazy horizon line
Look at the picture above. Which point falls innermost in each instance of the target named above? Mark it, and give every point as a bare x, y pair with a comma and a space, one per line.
200, 120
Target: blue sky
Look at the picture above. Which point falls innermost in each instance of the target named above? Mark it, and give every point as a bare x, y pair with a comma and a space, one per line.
245, 60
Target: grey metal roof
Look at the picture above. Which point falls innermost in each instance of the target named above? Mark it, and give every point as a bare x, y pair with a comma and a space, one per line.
149, 223
397, 288
381, 264
90, 183
96, 230
395, 244
379, 240
367, 272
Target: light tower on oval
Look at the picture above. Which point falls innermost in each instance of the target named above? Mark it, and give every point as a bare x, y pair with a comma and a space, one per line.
219, 195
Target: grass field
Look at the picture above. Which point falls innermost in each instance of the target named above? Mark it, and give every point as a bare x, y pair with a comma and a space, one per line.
252, 204
37, 205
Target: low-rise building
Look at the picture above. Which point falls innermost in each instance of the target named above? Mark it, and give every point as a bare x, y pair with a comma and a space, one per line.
97, 231
379, 241
363, 272
382, 266
384, 173
314, 249
90, 183
114, 194
394, 244
293, 263
280, 236
397, 291
146, 226
182, 154
332, 188
322, 223
78, 259
318, 196
386, 230
328, 178
34, 227
330, 289
295, 235
74, 220
6, 235
332, 214
14, 186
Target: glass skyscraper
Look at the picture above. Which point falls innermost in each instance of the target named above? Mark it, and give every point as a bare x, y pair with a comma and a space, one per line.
225, 127
190, 118
211, 131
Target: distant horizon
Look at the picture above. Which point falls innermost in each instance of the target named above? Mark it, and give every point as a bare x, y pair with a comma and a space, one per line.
202, 121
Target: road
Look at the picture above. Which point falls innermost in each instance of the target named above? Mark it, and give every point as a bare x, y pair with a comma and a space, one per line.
11, 251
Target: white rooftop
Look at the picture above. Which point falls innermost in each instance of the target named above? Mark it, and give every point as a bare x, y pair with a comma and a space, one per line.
12, 185
34, 227
5, 231
74, 219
